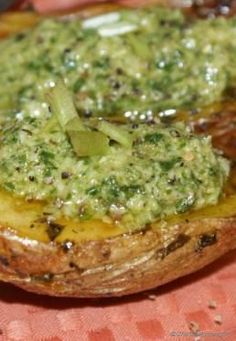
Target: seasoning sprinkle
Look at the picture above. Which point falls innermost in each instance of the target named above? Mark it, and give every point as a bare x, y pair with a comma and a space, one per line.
218, 319
193, 327
212, 304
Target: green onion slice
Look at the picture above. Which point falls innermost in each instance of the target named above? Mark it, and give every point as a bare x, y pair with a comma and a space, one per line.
89, 143
116, 133
84, 141
63, 107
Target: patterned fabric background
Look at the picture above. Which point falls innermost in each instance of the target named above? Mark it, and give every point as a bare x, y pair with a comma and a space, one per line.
204, 303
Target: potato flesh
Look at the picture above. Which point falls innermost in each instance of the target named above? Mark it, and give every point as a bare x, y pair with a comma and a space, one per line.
25, 220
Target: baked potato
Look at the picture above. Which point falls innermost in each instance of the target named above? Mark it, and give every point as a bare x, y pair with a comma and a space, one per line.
97, 258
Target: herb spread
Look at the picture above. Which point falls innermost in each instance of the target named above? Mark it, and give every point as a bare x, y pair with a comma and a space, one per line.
167, 171
133, 63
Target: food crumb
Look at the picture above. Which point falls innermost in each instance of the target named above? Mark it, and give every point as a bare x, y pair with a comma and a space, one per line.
197, 338
193, 327
152, 297
218, 319
212, 304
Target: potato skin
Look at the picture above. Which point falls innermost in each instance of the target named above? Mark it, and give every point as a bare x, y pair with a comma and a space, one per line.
116, 266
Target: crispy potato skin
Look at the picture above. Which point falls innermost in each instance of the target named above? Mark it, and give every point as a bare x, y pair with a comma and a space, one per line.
117, 266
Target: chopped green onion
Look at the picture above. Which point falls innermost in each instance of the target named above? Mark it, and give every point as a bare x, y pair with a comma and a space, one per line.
89, 143
62, 105
74, 125
116, 133
84, 142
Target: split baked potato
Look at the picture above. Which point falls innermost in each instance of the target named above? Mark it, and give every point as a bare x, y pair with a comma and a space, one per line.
94, 258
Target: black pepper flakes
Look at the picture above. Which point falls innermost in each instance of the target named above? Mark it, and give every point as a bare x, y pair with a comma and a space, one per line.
87, 113
27, 131
119, 71
116, 85
65, 175
172, 180
20, 36
67, 50
175, 133
31, 178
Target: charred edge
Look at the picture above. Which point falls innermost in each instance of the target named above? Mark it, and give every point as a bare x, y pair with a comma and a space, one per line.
53, 230
47, 277
106, 253
73, 265
206, 240
4, 261
181, 240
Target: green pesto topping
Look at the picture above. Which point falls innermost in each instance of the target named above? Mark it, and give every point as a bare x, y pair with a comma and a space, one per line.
166, 171
133, 62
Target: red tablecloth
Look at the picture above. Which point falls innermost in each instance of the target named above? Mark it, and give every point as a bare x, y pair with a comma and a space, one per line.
163, 314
